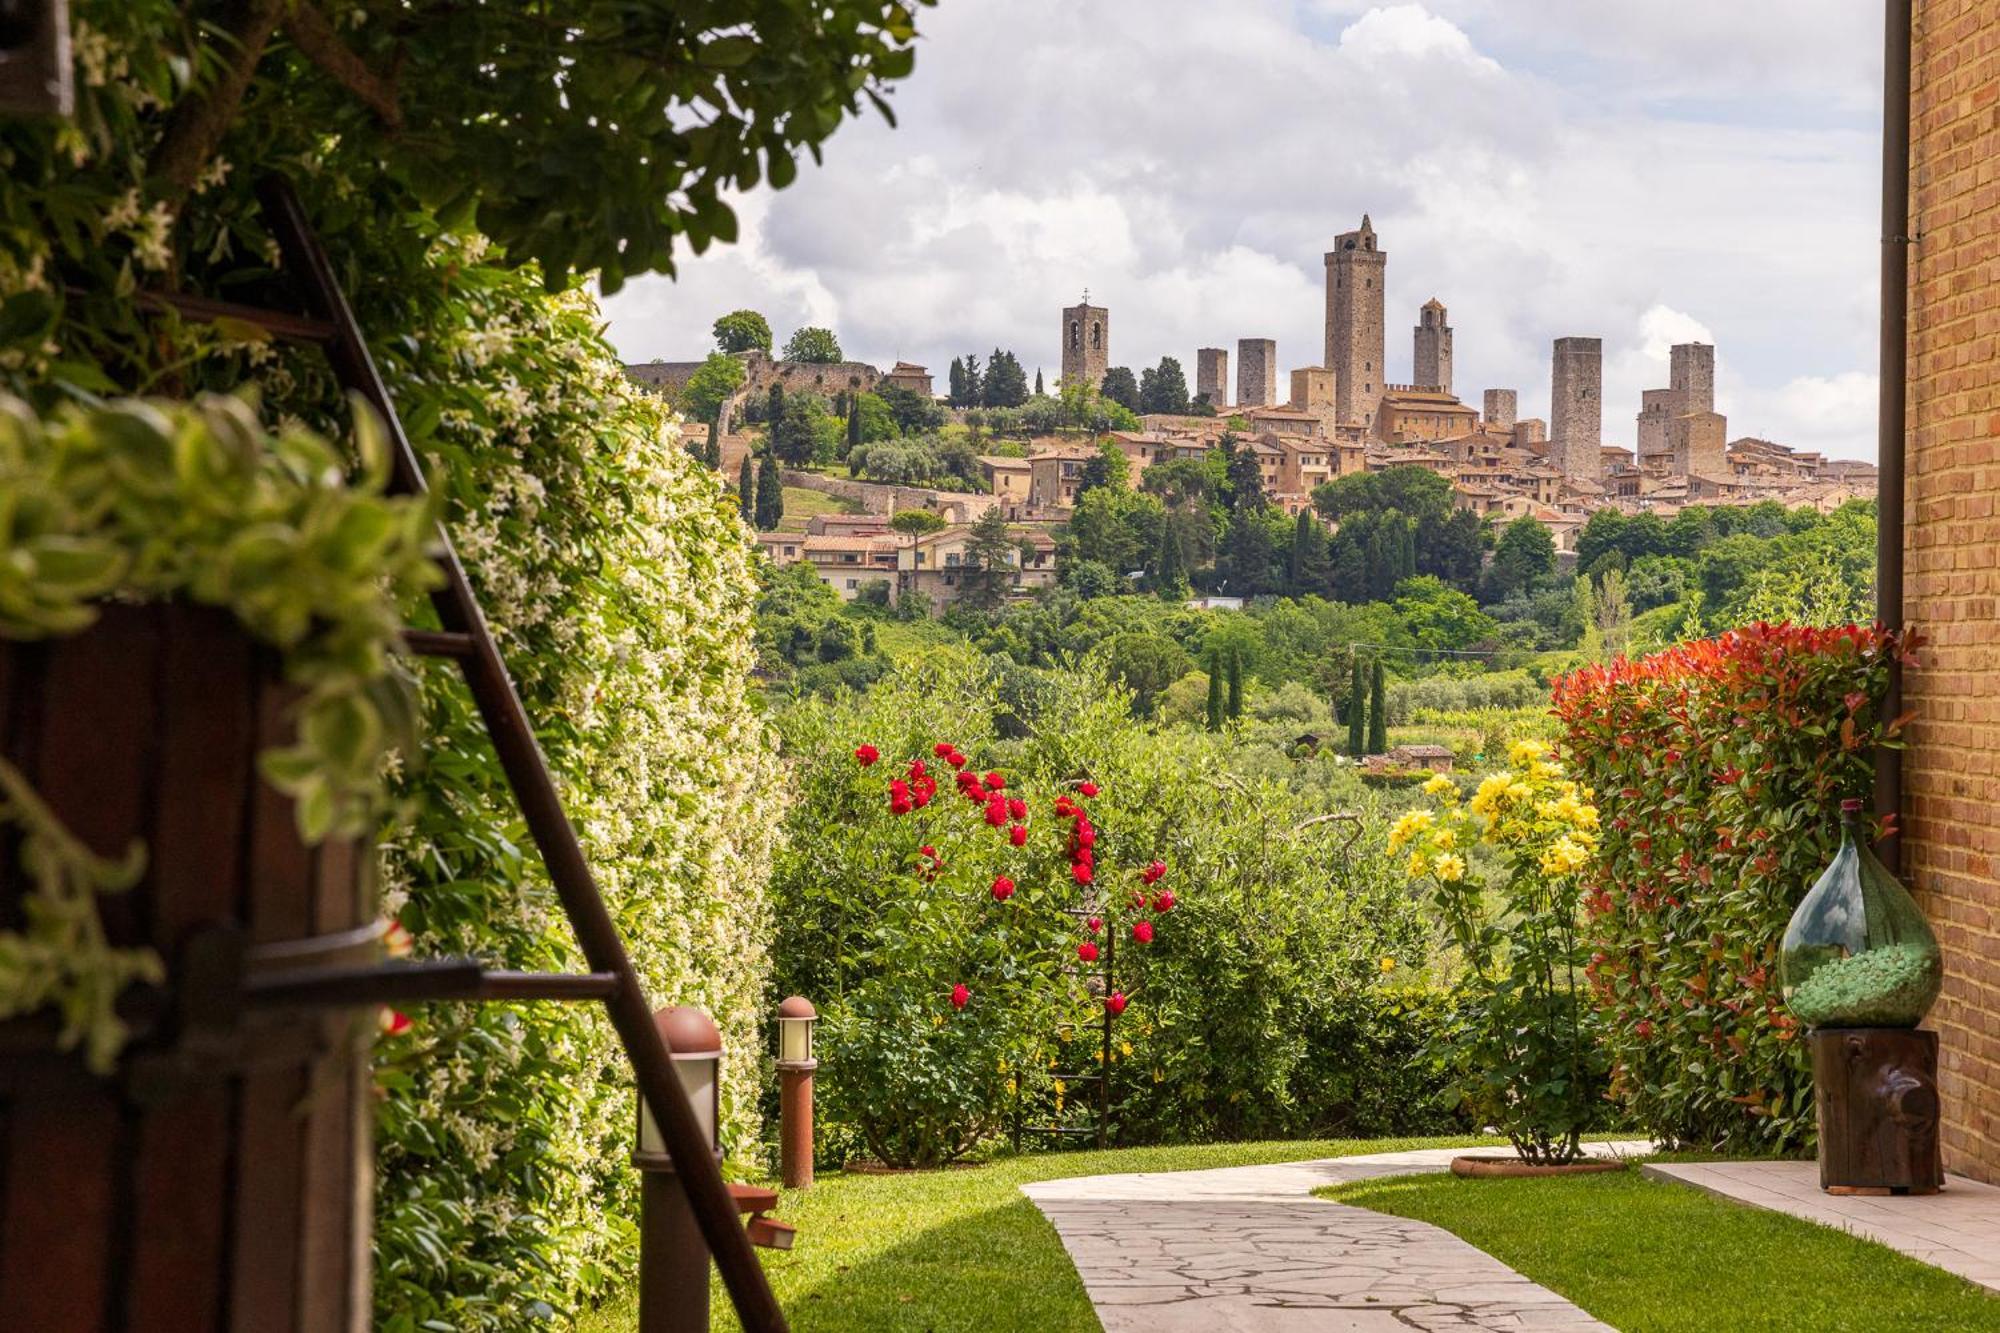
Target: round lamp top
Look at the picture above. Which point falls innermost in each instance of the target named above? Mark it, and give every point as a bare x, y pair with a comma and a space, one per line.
797, 1007
688, 1031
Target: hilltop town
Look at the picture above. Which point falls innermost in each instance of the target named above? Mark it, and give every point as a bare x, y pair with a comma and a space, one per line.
1304, 428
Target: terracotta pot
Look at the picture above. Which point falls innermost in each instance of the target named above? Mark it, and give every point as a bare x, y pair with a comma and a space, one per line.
219, 1178
1469, 1167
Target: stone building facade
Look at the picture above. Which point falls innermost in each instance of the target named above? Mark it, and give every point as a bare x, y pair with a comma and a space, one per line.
1433, 347
1357, 271
1314, 389
1951, 548
1656, 413
1499, 408
1256, 372
1576, 408
1699, 445
1211, 375
1086, 342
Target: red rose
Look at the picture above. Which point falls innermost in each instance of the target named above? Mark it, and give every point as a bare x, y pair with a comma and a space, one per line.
927, 850
1065, 807
867, 754
1082, 872
1087, 788
1086, 836
1087, 951
996, 782
1163, 901
996, 813
957, 760
1018, 835
942, 749
1003, 889
1096, 924
1151, 874
1083, 857
959, 996
1114, 1003
1142, 931
1017, 807
394, 1022
1645, 1029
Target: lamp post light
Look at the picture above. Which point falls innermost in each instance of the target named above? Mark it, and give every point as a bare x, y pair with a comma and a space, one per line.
796, 1064
673, 1258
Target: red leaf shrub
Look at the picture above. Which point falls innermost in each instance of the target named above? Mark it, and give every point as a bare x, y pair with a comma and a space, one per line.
1718, 768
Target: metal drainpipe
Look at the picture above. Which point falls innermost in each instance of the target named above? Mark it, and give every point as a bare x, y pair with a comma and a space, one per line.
1894, 383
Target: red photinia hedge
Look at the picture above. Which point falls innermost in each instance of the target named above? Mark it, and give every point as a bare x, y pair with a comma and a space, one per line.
1718, 768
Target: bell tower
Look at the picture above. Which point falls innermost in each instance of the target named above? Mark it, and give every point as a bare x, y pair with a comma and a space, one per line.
1086, 342
1357, 270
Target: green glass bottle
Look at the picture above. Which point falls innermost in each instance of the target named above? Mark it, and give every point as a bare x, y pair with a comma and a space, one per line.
1858, 952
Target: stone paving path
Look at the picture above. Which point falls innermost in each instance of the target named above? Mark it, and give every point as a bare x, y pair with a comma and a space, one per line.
1957, 1230
1249, 1250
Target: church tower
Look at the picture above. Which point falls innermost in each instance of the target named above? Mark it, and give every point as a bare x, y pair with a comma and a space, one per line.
1086, 343
1356, 274
1433, 359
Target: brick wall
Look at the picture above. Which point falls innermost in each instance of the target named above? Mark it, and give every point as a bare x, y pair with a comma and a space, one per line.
1952, 552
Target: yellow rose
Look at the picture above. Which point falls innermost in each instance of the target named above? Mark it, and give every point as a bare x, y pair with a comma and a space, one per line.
1388, 965
1445, 840
1450, 869
1439, 785
1418, 867
1524, 753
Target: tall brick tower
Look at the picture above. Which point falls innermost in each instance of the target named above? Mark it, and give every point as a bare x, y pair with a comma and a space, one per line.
1086, 342
1211, 375
1691, 377
1433, 357
1356, 274
1502, 406
1576, 409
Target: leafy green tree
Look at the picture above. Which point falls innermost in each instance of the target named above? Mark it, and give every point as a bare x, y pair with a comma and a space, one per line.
713, 383
1235, 684
917, 522
1146, 663
1108, 467
1524, 557
1170, 579
1215, 687
1439, 616
813, 345
1163, 388
1378, 712
1121, 387
1451, 546
1357, 713
743, 331
1245, 474
1614, 613
795, 432
1306, 557
1119, 529
912, 412
746, 490
989, 571
770, 494
1005, 384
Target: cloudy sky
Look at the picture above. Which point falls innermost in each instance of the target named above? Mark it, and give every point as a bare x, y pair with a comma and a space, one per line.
1647, 173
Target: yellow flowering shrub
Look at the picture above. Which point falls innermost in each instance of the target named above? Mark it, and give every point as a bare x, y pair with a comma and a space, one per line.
1522, 1046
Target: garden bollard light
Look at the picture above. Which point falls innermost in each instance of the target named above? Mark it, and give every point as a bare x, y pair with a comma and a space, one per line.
673, 1258
796, 1064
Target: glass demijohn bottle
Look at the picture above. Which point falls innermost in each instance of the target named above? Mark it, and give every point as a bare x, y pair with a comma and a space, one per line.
1858, 952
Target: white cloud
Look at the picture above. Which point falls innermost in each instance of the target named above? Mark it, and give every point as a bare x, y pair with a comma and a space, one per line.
1189, 162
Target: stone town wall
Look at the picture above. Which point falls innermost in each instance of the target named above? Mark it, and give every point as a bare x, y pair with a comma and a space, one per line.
876, 497
1951, 794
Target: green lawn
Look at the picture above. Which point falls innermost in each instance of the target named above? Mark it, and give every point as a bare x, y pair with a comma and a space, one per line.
1651, 1255
957, 1250
801, 504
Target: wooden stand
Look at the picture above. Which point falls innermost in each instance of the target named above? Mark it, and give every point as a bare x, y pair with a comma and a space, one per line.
1875, 1090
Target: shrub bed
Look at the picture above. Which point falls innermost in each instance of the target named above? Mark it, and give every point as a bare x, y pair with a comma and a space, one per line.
1718, 768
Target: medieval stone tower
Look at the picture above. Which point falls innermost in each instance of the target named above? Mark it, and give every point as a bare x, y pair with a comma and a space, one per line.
1433, 358
1356, 274
1086, 342
1256, 372
1576, 409
1211, 375
1691, 377
1501, 407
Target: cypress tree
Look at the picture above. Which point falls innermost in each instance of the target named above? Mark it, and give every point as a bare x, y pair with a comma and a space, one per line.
1038, 381
712, 451
853, 422
1235, 683
1214, 692
770, 494
746, 491
774, 404
1357, 713
1378, 713
1169, 575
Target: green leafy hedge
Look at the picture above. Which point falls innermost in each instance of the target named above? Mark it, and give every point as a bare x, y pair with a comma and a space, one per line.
1718, 768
